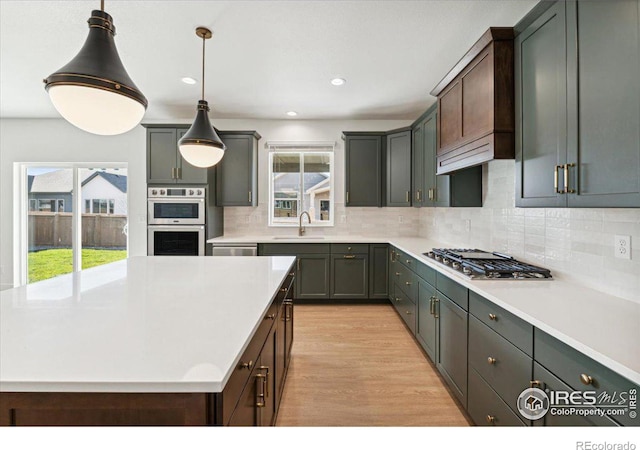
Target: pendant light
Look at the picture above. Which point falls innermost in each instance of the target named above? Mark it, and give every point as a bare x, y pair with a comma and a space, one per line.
201, 146
93, 91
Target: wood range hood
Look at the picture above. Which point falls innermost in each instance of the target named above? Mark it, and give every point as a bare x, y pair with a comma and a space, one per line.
476, 116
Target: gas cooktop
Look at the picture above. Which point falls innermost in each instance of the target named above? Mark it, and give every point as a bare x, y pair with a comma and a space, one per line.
481, 265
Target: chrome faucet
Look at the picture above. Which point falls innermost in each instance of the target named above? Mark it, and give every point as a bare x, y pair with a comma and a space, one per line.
301, 229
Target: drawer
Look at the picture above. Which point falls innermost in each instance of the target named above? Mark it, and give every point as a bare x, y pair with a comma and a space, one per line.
350, 248
571, 366
485, 406
503, 366
406, 308
456, 292
292, 249
408, 261
407, 281
426, 273
549, 381
514, 329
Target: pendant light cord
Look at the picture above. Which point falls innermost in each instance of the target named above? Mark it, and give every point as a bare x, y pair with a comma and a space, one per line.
203, 40
101, 5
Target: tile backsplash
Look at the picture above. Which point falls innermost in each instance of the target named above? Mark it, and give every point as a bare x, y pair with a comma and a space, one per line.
575, 244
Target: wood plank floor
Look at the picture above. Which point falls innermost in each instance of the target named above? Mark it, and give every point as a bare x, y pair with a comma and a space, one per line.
357, 365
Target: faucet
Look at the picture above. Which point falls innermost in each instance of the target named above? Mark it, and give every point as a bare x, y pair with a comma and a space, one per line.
301, 229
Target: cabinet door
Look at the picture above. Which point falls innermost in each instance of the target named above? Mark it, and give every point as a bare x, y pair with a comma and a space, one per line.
399, 169
541, 110
452, 346
246, 413
267, 369
188, 174
604, 103
281, 351
350, 276
450, 117
426, 328
237, 172
161, 155
312, 276
429, 142
363, 171
378, 271
288, 304
418, 167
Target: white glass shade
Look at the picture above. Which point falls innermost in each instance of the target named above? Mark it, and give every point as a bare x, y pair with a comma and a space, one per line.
199, 155
96, 111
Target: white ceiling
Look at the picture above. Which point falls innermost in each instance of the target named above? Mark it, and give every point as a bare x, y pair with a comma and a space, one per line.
265, 58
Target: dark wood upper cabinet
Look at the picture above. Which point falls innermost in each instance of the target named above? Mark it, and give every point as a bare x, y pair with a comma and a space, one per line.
476, 105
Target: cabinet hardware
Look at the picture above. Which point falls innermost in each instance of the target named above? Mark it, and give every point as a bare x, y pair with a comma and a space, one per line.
555, 179
266, 379
586, 379
349, 256
349, 248
391, 255
284, 289
432, 305
347, 196
398, 299
298, 263
436, 306
408, 283
430, 194
250, 196
566, 179
179, 173
408, 196
534, 383
491, 360
419, 195
173, 173
408, 313
260, 401
397, 274
493, 317
408, 261
291, 274
490, 419
248, 365
270, 316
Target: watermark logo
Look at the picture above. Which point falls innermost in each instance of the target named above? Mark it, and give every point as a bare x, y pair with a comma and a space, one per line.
533, 403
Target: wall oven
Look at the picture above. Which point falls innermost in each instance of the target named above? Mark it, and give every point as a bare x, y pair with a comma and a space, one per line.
176, 221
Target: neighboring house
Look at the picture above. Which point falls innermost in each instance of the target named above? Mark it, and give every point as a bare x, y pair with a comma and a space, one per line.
102, 192
286, 194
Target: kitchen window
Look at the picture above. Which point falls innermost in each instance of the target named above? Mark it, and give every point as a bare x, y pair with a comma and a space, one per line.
301, 179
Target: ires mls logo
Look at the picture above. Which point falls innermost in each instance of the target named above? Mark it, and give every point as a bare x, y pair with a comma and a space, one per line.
533, 403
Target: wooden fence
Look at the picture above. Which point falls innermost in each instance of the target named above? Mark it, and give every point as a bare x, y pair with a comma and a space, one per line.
53, 230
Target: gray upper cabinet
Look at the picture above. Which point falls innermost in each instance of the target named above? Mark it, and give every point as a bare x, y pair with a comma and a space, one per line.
399, 168
164, 162
577, 120
237, 172
418, 182
363, 169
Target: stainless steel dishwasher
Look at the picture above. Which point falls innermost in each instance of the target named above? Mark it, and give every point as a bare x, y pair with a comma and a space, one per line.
234, 250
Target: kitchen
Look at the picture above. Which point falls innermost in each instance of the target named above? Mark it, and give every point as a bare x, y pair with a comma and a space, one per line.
574, 243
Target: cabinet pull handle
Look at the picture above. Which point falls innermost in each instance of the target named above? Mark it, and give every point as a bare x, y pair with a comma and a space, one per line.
248, 365
430, 194
490, 419
260, 403
173, 173
298, 263
347, 196
418, 194
491, 360
436, 306
493, 317
534, 383
408, 196
265, 379
566, 179
291, 274
408, 283
349, 256
408, 261
555, 179
408, 312
398, 274
284, 289
270, 316
397, 299
250, 196
586, 379
431, 304
391, 255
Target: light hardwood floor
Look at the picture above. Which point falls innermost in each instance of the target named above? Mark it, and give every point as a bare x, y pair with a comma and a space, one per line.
357, 365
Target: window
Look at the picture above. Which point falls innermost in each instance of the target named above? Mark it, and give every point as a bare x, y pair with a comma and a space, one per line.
301, 179
103, 206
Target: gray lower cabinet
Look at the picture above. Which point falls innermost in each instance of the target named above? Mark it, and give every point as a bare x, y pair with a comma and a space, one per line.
363, 169
237, 172
378, 271
427, 326
313, 276
485, 405
399, 168
165, 165
350, 275
578, 121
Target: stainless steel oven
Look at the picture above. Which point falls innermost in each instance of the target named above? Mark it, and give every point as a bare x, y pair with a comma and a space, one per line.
175, 240
176, 206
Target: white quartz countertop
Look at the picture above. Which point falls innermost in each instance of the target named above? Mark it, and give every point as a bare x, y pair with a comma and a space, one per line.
145, 324
602, 326
293, 238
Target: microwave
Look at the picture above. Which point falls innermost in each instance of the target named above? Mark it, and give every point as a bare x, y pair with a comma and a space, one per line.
172, 206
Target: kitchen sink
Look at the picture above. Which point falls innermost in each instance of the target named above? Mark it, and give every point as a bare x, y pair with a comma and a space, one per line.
278, 238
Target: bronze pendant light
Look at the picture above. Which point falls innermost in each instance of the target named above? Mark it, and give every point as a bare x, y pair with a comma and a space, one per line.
94, 91
201, 146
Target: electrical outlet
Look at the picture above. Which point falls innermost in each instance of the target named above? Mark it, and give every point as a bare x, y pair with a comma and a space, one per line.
467, 225
622, 246
400, 219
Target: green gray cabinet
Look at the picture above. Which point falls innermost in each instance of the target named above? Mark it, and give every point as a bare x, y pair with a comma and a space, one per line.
426, 328
462, 188
237, 172
349, 275
363, 168
313, 276
577, 119
165, 165
378, 271
398, 182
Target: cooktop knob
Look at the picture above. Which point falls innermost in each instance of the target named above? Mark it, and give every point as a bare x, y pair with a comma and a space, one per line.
190, 191
154, 192
162, 191
446, 261
199, 191
455, 265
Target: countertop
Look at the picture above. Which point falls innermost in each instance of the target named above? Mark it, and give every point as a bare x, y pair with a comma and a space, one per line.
603, 327
144, 324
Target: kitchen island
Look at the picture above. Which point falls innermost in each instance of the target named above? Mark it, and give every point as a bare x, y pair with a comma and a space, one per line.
149, 341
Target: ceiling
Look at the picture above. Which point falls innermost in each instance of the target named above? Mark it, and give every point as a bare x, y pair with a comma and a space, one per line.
265, 58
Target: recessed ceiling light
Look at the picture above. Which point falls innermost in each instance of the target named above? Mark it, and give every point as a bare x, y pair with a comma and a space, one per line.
292, 113
338, 81
188, 80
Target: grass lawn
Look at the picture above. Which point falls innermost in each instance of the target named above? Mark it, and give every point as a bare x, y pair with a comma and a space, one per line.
51, 263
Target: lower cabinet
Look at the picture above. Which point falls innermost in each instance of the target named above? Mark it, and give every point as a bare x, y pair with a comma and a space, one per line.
349, 275
426, 328
378, 271
313, 276
486, 407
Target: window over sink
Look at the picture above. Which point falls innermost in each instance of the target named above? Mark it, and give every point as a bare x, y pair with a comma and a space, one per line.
301, 179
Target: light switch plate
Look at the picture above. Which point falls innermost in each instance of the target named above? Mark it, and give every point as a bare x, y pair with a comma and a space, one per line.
622, 246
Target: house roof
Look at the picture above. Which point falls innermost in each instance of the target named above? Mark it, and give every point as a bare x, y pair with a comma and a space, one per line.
62, 181
119, 181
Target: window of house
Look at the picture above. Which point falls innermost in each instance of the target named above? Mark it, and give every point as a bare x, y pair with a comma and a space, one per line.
301, 179
103, 206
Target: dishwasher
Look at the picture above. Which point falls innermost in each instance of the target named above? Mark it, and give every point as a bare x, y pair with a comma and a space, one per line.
234, 250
